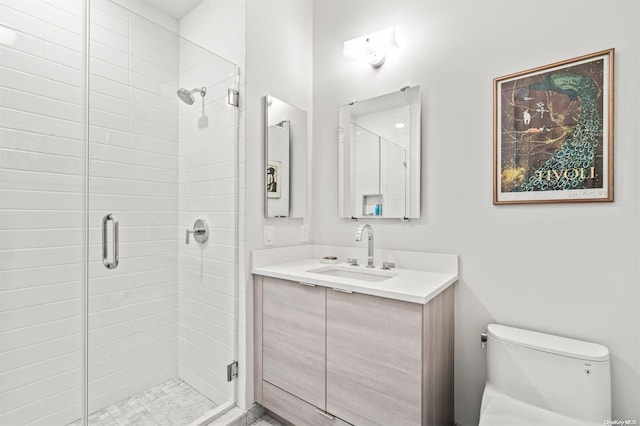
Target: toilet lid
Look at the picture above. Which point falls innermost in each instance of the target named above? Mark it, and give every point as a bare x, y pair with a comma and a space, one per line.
502, 410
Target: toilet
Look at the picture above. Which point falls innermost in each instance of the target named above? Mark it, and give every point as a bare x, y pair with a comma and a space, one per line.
537, 379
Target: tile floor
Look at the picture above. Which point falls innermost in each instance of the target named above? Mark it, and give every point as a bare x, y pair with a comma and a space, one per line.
173, 403
265, 421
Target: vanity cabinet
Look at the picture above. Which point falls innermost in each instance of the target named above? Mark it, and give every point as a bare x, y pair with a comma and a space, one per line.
328, 357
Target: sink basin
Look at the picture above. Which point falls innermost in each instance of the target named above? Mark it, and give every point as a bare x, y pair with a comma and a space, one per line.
371, 276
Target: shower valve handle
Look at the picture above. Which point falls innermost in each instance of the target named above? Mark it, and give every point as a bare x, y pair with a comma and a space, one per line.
200, 231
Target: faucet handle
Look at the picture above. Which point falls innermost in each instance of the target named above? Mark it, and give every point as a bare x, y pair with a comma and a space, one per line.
352, 261
388, 265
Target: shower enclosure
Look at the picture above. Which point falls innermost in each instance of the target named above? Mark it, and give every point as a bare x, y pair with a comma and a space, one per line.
106, 313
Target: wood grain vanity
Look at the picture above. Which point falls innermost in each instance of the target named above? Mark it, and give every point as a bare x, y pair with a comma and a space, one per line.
330, 356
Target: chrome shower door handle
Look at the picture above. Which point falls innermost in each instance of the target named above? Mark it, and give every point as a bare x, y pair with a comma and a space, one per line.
113, 264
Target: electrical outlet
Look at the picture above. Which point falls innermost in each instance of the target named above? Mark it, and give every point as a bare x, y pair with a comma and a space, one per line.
304, 233
268, 235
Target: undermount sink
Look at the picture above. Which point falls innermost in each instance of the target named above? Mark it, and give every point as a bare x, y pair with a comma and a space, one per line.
371, 276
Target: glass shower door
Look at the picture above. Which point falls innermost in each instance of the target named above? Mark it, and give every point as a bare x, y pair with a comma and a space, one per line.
162, 155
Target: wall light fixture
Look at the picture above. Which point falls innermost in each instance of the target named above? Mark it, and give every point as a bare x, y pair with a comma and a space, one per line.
372, 47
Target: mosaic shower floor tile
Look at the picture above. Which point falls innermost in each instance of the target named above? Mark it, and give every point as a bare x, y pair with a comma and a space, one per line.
265, 420
173, 403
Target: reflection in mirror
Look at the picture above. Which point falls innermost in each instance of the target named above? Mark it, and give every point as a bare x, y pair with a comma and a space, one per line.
379, 157
278, 169
285, 159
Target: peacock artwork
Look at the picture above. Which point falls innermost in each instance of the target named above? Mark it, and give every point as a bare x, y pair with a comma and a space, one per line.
553, 132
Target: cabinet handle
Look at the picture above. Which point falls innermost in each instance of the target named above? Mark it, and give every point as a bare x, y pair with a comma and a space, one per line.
324, 413
307, 284
341, 290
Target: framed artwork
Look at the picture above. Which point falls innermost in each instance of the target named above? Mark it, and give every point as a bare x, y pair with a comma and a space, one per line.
553, 132
273, 179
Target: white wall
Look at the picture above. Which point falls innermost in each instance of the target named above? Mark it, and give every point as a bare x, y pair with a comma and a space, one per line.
567, 269
279, 63
41, 209
279, 49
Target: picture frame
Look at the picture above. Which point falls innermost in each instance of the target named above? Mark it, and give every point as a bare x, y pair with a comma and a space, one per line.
273, 179
553, 132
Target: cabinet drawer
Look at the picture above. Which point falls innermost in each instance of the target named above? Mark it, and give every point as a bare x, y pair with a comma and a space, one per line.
294, 409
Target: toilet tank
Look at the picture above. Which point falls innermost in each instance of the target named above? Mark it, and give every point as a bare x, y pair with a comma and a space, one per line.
562, 375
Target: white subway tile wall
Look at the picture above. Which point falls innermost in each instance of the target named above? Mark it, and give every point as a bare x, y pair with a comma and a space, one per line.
207, 272
219, 26
168, 309
393, 178
41, 210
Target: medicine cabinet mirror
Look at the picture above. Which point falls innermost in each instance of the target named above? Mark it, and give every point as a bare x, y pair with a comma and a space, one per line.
285, 163
379, 156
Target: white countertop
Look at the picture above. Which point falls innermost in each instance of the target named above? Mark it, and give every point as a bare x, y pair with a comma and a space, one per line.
409, 285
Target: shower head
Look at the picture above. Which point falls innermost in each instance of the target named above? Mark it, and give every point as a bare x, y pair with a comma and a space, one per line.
186, 96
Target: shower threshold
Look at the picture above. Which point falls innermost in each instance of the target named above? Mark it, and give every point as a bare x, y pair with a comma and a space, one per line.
172, 403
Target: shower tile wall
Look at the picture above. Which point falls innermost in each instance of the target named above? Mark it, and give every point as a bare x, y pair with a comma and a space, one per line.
364, 176
207, 171
41, 210
219, 26
134, 157
134, 174
393, 178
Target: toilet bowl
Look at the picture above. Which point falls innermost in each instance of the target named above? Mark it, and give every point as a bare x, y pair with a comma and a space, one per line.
537, 379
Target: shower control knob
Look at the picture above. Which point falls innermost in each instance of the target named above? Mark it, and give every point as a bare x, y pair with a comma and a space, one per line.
200, 231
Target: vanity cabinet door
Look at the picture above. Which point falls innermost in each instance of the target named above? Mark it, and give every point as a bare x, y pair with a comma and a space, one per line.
293, 338
374, 359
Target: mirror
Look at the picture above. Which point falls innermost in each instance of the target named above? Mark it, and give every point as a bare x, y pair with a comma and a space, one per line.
379, 156
285, 150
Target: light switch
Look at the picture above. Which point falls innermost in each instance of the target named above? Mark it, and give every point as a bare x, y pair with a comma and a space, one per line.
268, 235
304, 233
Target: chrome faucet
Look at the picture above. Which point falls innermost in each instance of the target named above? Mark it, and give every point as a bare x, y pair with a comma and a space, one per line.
369, 230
